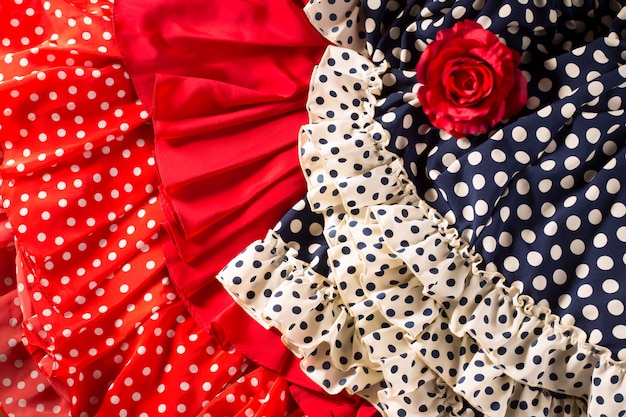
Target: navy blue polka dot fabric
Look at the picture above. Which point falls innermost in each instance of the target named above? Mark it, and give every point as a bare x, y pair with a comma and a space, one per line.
302, 228
540, 195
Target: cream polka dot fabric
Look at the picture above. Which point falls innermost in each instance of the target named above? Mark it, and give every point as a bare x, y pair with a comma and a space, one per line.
404, 314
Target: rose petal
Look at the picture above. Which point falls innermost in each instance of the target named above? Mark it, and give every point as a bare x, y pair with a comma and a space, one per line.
517, 97
467, 81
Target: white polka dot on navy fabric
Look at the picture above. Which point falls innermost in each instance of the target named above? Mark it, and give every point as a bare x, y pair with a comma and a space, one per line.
558, 154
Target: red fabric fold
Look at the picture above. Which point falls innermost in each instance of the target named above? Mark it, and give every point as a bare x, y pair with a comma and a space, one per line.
226, 84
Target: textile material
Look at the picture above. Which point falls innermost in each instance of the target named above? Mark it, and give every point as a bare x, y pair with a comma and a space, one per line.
540, 196
225, 122
404, 304
408, 211
104, 330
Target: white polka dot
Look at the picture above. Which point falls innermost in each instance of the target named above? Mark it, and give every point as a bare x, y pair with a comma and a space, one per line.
600, 240
511, 264
618, 210
489, 243
605, 263
572, 141
615, 307
540, 283
468, 213
543, 134
522, 157
572, 70
571, 163
478, 181
609, 148
564, 301
481, 208
556, 252
577, 247
524, 212
534, 258
501, 178
567, 182
474, 158
522, 186
545, 185
498, 156
519, 134
619, 331
528, 236
590, 312
461, 189
573, 222
613, 186
585, 291
568, 110
593, 135
582, 271
610, 286
559, 277
600, 57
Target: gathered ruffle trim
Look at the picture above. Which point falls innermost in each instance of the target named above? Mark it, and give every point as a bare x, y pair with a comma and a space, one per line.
406, 318
341, 22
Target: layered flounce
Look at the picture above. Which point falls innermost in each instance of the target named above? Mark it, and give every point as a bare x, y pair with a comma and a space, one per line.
541, 196
225, 84
24, 388
406, 318
103, 328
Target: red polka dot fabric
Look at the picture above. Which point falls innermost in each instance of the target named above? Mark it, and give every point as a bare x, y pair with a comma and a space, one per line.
93, 325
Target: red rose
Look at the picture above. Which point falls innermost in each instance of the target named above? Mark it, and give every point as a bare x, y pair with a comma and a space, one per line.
470, 80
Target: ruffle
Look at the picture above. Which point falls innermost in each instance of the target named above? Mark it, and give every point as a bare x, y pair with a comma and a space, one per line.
400, 273
341, 22
99, 318
241, 97
224, 128
24, 388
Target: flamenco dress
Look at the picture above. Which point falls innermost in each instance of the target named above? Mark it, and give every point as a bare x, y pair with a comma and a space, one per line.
440, 276
100, 328
101, 320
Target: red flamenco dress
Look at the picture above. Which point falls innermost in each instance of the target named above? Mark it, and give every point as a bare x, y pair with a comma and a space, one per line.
104, 327
101, 330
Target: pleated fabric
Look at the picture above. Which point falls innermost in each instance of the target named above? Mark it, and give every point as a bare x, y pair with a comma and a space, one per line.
225, 85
